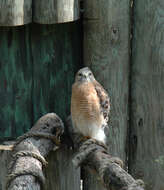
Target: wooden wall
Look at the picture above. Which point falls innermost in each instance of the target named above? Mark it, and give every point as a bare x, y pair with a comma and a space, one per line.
37, 67
124, 46
147, 93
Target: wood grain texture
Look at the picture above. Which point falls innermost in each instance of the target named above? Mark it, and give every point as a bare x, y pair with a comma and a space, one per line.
106, 52
92, 181
55, 11
61, 173
147, 93
4, 156
37, 67
15, 12
56, 52
15, 81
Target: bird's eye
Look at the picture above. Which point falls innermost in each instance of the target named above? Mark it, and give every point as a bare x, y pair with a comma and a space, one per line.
80, 74
90, 74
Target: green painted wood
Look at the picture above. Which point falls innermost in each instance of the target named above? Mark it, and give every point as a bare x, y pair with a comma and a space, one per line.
15, 81
106, 52
147, 93
37, 66
56, 52
55, 11
15, 12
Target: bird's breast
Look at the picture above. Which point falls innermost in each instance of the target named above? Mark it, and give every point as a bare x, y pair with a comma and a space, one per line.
85, 106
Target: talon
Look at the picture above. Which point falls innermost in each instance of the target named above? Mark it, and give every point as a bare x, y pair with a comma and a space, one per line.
85, 138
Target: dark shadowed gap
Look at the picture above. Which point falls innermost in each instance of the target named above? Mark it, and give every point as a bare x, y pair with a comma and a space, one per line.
129, 129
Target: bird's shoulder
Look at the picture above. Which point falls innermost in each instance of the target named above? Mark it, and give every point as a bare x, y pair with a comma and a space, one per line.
103, 99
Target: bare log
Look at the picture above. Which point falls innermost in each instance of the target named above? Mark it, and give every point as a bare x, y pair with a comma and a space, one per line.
28, 153
93, 154
15, 12
55, 11
108, 168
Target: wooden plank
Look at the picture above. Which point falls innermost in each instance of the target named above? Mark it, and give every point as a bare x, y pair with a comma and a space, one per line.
55, 11
61, 174
56, 51
15, 81
147, 90
91, 181
15, 12
37, 66
106, 52
4, 157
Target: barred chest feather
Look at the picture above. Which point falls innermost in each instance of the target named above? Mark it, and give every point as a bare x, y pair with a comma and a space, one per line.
85, 109
85, 103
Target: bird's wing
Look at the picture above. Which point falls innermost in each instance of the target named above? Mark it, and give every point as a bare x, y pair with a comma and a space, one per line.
104, 99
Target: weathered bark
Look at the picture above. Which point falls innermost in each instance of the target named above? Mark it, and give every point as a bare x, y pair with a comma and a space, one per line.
94, 155
15, 12
111, 174
55, 11
108, 168
28, 169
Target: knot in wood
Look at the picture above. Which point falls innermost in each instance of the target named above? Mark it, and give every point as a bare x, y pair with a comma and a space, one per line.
114, 35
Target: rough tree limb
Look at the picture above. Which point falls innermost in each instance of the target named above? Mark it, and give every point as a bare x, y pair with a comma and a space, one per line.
25, 171
94, 155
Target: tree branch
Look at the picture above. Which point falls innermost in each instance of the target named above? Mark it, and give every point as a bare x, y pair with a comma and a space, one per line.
94, 155
25, 171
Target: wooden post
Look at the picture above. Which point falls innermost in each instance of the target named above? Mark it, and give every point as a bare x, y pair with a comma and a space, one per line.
55, 11
93, 155
61, 174
5, 155
106, 52
147, 93
28, 153
15, 12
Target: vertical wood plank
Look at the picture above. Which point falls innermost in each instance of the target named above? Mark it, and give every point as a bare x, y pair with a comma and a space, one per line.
106, 52
56, 51
37, 66
4, 156
147, 93
55, 11
15, 81
15, 12
61, 174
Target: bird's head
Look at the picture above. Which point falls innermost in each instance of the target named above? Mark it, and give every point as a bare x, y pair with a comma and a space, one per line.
84, 75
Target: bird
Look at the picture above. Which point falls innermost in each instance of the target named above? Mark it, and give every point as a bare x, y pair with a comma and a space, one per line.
90, 106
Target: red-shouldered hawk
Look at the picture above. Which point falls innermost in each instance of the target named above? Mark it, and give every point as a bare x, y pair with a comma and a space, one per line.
90, 106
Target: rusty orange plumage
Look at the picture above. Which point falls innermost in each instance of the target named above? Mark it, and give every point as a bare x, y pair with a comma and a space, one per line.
89, 106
